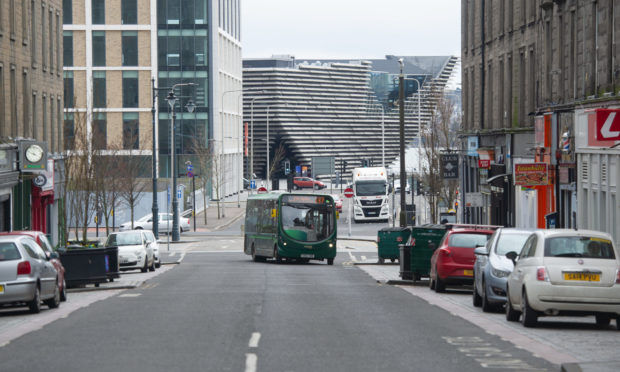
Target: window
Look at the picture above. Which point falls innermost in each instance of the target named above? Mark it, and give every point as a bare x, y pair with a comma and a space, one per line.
67, 45
99, 48
68, 88
98, 12
130, 88
69, 131
12, 18
44, 112
52, 120
25, 13
51, 37
43, 38
13, 103
3, 131
99, 89
130, 48
58, 45
129, 12
173, 12
32, 132
67, 12
59, 126
33, 26
99, 131
25, 100
529, 248
131, 134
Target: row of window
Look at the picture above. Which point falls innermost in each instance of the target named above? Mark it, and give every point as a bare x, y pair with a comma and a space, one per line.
130, 137
130, 89
40, 114
129, 12
129, 49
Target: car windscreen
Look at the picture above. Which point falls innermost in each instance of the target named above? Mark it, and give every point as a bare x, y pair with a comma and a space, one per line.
370, 188
510, 242
9, 251
133, 238
579, 246
307, 218
467, 240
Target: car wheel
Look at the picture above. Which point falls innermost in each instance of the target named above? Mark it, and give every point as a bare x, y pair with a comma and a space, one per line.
295, 187
330, 261
487, 307
381, 260
53, 302
529, 317
316, 187
603, 320
440, 285
35, 304
63, 292
146, 265
138, 227
431, 284
152, 267
392, 260
158, 264
511, 314
476, 299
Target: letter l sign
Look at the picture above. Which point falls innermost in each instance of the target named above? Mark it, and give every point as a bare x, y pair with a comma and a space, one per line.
607, 125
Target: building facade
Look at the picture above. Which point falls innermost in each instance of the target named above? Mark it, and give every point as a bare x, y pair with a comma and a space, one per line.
343, 109
122, 58
537, 78
31, 96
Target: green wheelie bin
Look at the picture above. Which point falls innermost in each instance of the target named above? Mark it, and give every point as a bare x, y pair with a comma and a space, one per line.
422, 243
388, 240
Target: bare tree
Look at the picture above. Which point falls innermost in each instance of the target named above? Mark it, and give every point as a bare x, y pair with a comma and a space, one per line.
204, 170
107, 181
438, 136
131, 187
277, 158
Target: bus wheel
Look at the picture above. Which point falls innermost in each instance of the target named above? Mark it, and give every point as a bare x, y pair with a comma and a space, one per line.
255, 258
277, 258
330, 261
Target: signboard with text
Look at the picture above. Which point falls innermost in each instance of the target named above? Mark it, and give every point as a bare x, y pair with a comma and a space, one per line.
484, 163
449, 166
607, 125
531, 174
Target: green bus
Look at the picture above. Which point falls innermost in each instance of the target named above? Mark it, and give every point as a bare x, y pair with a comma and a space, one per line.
299, 227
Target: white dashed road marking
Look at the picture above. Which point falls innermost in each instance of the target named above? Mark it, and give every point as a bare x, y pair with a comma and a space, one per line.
130, 295
254, 339
250, 362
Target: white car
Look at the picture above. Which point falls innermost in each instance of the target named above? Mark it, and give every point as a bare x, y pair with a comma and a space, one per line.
565, 272
397, 187
134, 251
164, 222
150, 238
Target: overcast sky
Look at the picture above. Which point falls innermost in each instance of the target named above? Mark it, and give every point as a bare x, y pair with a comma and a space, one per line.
350, 28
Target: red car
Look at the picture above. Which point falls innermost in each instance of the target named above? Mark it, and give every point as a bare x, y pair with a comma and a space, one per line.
42, 240
307, 182
452, 262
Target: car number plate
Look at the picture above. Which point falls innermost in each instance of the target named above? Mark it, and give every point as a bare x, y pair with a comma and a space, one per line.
468, 272
1, 288
587, 277
307, 256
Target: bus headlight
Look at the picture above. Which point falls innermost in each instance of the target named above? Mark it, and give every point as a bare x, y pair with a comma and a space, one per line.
284, 244
331, 245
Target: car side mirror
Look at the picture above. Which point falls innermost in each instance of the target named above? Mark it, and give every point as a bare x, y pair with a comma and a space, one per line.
149, 220
512, 256
481, 250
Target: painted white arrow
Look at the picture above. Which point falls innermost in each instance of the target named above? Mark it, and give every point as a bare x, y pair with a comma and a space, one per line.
606, 131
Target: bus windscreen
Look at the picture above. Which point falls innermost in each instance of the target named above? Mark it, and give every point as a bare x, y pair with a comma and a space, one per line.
307, 218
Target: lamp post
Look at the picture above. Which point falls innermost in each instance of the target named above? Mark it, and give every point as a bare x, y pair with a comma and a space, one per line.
172, 100
403, 176
267, 148
155, 209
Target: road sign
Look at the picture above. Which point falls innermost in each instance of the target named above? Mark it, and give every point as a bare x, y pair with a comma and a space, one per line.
348, 192
262, 190
252, 184
190, 174
607, 125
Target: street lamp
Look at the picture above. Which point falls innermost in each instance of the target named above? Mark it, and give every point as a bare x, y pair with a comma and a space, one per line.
172, 100
401, 112
155, 209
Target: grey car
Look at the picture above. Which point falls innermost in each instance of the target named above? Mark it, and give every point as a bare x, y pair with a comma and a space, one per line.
27, 277
492, 267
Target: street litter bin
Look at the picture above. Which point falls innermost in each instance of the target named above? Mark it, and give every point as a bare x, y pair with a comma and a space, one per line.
421, 245
112, 268
388, 239
85, 265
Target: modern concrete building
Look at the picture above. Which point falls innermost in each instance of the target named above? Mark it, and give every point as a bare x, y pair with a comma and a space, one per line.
345, 109
113, 51
538, 76
31, 94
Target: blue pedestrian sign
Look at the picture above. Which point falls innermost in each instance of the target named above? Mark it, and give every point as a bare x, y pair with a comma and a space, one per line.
252, 184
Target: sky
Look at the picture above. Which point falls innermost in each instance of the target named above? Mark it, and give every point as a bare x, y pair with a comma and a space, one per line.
353, 29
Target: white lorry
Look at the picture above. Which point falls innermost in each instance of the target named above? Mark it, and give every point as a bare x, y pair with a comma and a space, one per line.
370, 198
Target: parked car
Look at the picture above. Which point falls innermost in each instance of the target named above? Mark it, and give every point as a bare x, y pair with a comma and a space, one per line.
45, 244
397, 187
307, 182
150, 238
492, 268
27, 277
337, 201
134, 250
452, 263
565, 272
164, 222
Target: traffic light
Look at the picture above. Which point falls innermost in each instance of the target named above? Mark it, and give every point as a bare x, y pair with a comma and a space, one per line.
287, 167
365, 163
420, 188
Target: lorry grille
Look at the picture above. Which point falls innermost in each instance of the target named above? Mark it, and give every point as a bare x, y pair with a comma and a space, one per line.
371, 202
372, 212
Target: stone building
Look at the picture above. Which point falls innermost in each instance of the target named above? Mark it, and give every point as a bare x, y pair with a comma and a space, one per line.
537, 76
31, 96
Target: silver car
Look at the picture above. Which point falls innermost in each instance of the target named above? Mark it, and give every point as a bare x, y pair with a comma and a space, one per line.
26, 275
150, 238
492, 268
164, 221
